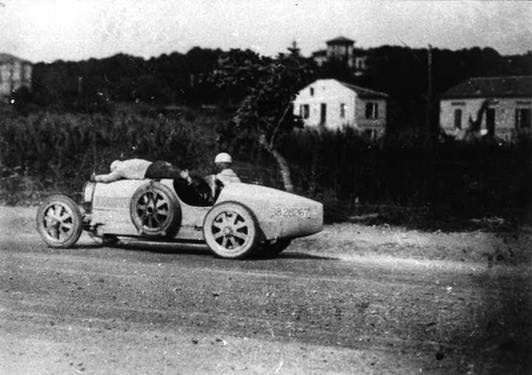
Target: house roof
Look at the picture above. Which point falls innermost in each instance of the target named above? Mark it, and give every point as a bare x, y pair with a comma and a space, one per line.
7, 58
491, 87
321, 52
340, 40
364, 92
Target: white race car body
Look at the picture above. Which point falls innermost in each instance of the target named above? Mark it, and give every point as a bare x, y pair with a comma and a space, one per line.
234, 221
279, 214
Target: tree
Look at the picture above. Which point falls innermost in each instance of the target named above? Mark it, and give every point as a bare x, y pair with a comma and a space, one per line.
265, 88
473, 130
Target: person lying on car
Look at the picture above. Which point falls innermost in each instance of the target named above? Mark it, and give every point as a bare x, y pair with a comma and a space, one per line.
139, 169
192, 189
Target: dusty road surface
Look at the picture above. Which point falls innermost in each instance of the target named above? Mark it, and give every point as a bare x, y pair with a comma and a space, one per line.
145, 309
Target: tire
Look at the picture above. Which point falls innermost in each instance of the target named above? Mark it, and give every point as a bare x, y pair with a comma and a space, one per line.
59, 221
230, 230
272, 250
155, 211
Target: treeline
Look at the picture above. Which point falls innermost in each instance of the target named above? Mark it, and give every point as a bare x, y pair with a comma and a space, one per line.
95, 84
184, 79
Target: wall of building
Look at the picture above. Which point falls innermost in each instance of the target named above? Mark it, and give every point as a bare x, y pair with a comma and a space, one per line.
14, 75
342, 52
374, 125
334, 94
504, 114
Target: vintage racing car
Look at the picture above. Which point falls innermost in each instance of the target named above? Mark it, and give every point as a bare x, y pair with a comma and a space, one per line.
242, 219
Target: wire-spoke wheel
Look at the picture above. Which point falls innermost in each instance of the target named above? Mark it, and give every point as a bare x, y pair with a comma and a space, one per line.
154, 210
230, 230
59, 221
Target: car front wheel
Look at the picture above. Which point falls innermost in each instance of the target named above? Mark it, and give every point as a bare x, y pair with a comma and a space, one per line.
230, 230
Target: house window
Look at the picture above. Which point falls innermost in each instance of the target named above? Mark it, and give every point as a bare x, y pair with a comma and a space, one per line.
458, 118
312, 91
522, 118
342, 110
372, 110
304, 111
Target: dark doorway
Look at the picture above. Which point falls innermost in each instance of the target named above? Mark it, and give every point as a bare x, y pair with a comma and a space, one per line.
522, 118
323, 113
490, 121
458, 118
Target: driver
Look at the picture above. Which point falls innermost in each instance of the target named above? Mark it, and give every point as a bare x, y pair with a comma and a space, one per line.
225, 174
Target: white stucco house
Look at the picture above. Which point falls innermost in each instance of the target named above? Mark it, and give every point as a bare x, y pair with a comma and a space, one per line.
508, 106
332, 104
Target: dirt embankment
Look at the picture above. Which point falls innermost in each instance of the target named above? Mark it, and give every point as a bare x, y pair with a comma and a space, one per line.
487, 248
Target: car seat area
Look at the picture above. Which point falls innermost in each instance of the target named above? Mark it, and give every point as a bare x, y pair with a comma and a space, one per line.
197, 193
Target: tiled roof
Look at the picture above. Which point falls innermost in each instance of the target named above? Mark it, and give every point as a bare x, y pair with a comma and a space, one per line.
321, 52
490, 87
7, 58
364, 92
340, 40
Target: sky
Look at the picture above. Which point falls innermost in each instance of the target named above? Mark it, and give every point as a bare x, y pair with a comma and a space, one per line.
48, 30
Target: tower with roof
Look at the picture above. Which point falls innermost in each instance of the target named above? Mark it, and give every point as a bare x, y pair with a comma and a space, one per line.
342, 51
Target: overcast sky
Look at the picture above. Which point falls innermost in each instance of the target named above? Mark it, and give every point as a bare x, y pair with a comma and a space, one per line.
46, 30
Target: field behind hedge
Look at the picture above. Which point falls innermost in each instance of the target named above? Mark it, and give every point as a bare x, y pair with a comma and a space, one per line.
56, 152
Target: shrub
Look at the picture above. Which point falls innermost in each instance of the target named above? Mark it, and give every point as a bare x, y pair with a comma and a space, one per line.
456, 178
62, 150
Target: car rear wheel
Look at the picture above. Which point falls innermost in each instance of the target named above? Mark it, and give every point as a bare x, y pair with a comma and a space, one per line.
155, 211
59, 221
230, 230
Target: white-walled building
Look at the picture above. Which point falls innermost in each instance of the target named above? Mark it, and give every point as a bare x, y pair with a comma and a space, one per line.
508, 108
332, 104
14, 73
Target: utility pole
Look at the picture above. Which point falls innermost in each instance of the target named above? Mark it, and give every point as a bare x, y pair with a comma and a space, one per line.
80, 86
429, 94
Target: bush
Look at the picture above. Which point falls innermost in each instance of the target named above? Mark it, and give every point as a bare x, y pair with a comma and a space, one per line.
349, 173
454, 178
60, 151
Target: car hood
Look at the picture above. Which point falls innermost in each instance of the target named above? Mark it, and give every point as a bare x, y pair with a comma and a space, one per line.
279, 213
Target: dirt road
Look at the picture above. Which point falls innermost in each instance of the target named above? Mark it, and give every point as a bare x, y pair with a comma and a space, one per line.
147, 309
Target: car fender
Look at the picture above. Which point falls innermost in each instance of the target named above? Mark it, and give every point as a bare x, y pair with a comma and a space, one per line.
279, 214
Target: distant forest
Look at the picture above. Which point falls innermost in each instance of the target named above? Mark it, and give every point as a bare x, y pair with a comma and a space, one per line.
184, 79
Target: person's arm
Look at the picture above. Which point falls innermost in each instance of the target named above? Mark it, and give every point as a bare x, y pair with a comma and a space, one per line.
106, 178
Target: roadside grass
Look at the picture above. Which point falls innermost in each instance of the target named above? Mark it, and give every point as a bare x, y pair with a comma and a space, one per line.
44, 153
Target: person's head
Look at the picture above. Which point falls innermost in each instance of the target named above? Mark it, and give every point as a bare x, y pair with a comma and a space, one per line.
185, 175
223, 161
115, 165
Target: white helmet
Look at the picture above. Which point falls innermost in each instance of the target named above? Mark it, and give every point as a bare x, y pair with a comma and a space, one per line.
223, 157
